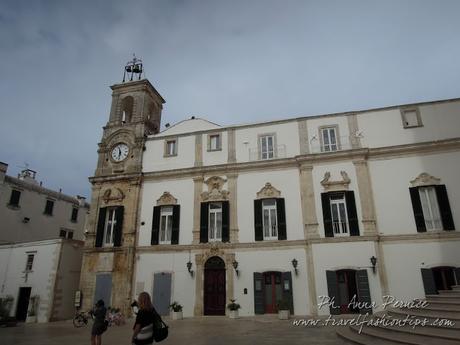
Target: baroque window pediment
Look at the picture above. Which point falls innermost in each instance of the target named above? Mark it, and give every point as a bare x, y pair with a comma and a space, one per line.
268, 191
215, 189
166, 199
425, 179
114, 194
336, 185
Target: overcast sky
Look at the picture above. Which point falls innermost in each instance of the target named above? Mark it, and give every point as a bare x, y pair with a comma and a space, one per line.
227, 61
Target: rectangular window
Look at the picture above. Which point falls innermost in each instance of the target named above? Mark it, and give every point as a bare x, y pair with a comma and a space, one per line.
70, 235
110, 224
214, 142
166, 216
339, 215
267, 147
62, 233
411, 118
14, 198
30, 262
269, 219
171, 148
215, 221
430, 208
49, 207
329, 139
74, 216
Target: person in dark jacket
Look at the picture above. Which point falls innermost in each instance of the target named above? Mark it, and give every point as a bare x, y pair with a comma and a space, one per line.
143, 326
99, 325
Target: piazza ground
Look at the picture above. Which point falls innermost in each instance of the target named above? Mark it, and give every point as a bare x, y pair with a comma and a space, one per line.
190, 331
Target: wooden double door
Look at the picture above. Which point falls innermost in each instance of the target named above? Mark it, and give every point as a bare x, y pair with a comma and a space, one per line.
270, 288
214, 286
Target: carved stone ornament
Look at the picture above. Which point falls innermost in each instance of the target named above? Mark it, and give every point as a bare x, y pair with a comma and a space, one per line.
335, 185
425, 179
115, 195
166, 199
215, 192
268, 192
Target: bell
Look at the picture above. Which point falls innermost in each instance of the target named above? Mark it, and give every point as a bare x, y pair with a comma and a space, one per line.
128, 69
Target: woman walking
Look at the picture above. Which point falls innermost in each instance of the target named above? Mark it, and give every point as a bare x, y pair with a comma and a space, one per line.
143, 326
99, 325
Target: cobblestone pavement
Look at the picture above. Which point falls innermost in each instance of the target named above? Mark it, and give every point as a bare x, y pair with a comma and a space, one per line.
191, 331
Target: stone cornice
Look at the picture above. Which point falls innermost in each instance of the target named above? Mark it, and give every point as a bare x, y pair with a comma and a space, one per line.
291, 244
115, 178
310, 159
137, 85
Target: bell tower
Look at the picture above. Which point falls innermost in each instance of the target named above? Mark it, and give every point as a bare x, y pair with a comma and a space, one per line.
108, 260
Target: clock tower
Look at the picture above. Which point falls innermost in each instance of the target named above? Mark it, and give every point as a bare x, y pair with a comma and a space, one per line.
108, 260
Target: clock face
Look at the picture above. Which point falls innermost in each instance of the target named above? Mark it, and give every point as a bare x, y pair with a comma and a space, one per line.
120, 152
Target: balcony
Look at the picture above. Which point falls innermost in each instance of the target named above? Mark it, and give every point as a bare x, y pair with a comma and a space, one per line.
343, 143
257, 155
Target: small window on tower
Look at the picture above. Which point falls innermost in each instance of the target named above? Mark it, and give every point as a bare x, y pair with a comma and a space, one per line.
49, 207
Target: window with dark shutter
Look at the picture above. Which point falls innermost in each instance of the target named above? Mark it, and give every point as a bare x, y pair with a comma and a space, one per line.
204, 222
259, 301
100, 226
327, 218
225, 221
333, 292
258, 225
74, 216
352, 214
444, 208
417, 208
49, 207
364, 293
155, 225
281, 215
287, 290
175, 225
428, 281
118, 231
14, 198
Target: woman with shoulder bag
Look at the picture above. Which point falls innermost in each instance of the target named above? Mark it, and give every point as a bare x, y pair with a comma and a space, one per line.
99, 325
143, 326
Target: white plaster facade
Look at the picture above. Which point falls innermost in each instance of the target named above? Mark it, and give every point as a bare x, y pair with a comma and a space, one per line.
379, 156
53, 276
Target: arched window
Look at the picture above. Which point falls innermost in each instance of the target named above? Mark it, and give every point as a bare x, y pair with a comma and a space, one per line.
127, 109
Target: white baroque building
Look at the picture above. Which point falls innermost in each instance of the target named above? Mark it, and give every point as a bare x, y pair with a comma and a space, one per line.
359, 203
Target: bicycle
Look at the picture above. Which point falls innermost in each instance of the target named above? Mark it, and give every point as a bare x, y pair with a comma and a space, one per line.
115, 317
81, 318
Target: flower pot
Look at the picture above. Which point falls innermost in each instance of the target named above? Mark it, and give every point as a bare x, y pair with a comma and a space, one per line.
177, 315
283, 314
233, 314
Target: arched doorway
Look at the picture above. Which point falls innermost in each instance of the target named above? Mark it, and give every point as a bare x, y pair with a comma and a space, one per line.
214, 286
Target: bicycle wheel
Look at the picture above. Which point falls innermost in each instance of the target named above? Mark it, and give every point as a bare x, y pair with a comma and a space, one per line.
78, 321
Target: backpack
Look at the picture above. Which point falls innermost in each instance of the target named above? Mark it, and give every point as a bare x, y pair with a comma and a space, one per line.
160, 329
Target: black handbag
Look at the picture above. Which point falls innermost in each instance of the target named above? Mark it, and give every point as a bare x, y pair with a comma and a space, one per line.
160, 329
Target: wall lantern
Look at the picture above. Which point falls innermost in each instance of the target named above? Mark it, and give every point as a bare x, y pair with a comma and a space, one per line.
294, 264
373, 262
26, 220
235, 266
189, 268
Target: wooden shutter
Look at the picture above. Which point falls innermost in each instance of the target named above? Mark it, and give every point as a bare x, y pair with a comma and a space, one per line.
364, 293
417, 208
281, 215
444, 208
287, 289
258, 225
175, 225
100, 226
457, 275
326, 204
119, 213
428, 281
333, 292
204, 222
351, 213
259, 301
155, 225
225, 222
14, 198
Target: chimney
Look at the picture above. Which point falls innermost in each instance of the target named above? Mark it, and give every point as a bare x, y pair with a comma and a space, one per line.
28, 175
3, 169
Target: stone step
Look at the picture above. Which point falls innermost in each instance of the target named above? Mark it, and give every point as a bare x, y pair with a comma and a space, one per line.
439, 307
444, 300
456, 287
451, 315
444, 296
361, 339
433, 332
453, 324
447, 292
405, 338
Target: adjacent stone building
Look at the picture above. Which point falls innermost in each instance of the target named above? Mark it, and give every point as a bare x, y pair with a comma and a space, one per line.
350, 204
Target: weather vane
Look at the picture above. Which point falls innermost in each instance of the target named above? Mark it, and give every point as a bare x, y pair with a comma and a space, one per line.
132, 68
